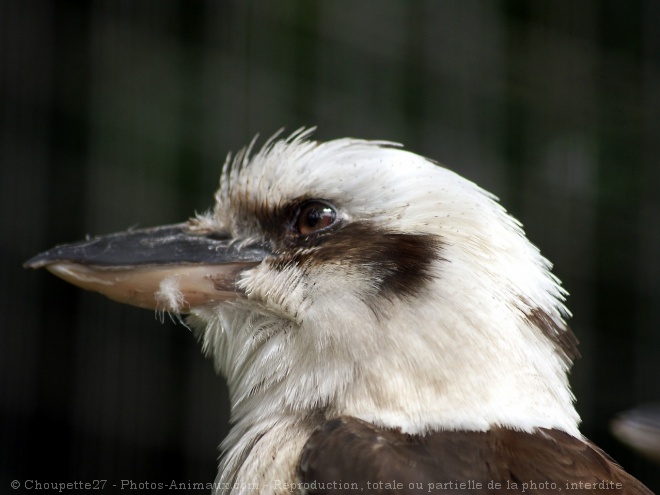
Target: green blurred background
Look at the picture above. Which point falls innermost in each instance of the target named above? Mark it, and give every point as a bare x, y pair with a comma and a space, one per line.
118, 113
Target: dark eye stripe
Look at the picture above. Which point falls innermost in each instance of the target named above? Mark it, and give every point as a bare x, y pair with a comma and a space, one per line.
399, 264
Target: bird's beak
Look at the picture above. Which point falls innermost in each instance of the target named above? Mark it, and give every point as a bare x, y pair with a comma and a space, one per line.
149, 267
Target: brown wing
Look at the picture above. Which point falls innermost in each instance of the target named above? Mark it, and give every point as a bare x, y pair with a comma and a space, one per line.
347, 455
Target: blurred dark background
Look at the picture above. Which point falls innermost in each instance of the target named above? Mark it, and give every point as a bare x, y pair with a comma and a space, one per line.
118, 113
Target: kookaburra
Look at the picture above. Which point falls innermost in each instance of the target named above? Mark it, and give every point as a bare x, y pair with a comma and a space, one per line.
383, 324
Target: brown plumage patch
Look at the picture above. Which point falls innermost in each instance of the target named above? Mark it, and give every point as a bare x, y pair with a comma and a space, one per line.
562, 336
397, 264
347, 455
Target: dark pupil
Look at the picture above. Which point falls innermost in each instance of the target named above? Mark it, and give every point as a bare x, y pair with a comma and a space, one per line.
313, 217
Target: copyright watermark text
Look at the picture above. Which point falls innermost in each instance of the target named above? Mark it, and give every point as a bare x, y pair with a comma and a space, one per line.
58, 486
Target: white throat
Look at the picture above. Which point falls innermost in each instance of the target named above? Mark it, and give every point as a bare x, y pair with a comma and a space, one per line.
458, 370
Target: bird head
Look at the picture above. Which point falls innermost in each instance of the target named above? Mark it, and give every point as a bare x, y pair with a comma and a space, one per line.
353, 277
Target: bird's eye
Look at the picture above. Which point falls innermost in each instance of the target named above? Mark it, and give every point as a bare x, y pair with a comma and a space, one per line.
315, 216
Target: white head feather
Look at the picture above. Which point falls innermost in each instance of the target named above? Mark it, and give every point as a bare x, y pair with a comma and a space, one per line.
475, 345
